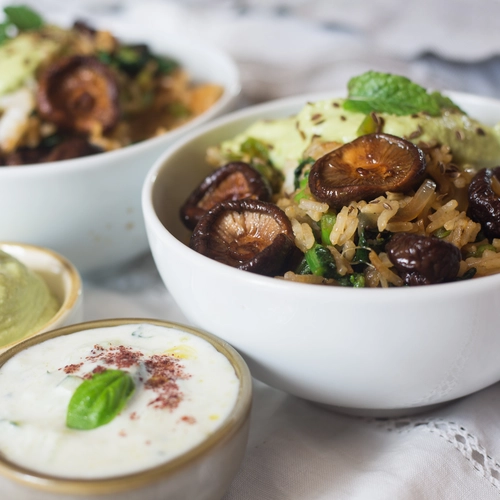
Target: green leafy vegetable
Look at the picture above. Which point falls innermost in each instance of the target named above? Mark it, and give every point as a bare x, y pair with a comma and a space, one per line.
258, 152
363, 251
469, 274
23, 18
321, 261
98, 400
303, 267
166, 65
326, 225
300, 172
255, 149
481, 249
393, 94
441, 232
104, 57
357, 280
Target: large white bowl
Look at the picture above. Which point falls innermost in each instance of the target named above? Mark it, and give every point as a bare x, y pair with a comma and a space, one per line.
89, 209
379, 350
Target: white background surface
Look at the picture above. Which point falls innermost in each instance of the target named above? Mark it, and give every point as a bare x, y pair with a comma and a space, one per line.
298, 451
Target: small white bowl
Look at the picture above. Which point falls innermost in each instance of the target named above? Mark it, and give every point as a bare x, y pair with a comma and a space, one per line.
89, 209
367, 350
62, 279
203, 472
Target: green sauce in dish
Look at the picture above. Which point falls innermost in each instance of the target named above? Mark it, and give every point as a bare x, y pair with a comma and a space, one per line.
471, 142
26, 303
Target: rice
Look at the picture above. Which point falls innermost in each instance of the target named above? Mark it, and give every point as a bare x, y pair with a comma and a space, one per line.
437, 207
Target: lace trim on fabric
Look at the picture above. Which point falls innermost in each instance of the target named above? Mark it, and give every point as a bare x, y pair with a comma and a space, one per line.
456, 435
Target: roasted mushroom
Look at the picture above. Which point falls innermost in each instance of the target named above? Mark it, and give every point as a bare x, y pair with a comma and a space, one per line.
423, 260
248, 234
366, 168
234, 181
484, 201
79, 93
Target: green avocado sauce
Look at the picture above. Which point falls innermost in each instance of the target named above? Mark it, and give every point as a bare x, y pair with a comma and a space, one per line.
20, 57
471, 142
26, 303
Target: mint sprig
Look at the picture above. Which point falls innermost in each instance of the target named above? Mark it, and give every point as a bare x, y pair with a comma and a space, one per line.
97, 401
393, 94
23, 18
19, 18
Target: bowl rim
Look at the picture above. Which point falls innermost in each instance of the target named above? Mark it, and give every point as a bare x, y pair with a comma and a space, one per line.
71, 299
232, 88
116, 484
153, 222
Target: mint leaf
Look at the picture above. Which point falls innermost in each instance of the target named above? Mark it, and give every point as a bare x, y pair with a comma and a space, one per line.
445, 102
98, 400
23, 18
387, 93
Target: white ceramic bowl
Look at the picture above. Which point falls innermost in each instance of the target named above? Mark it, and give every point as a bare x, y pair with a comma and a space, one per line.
89, 209
386, 351
203, 472
60, 275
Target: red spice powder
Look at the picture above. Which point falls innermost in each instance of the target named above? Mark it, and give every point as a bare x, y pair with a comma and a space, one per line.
120, 356
188, 419
69, 369
164, 372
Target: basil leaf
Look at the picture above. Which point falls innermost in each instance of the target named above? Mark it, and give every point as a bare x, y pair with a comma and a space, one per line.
387, 93
23, 17
98, 400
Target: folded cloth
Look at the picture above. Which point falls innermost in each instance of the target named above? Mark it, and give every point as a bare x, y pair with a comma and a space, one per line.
299, 451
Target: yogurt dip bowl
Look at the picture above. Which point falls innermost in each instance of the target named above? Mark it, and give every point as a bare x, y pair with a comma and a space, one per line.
182, 433
88, 209
63, 282
390, 351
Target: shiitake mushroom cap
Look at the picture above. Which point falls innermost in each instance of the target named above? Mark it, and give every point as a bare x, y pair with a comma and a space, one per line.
247, 234
423, 260
484, 203
233, 181
366, 168
78, 93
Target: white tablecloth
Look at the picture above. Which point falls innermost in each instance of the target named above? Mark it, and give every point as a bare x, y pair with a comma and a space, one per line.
298, 451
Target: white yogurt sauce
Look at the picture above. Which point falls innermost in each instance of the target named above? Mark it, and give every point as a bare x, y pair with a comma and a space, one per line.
36, 386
